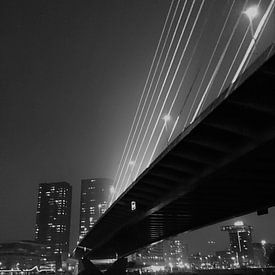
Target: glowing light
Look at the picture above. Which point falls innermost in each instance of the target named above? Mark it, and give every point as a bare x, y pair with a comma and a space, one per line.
156, 268
251, 12
112, 189
255, 36
28, 270
132, 163
133, 205
166, 118
263, 242
239, 223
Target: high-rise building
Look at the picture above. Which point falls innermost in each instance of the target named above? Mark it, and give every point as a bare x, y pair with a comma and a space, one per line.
240, 236
151, 255
95, 195
225, 259
53, 217
176, 252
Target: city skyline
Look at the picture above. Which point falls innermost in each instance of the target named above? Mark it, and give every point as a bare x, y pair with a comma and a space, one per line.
207, 244
71, 77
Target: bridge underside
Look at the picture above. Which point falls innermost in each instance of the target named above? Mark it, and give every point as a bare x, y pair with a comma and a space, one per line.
220, 167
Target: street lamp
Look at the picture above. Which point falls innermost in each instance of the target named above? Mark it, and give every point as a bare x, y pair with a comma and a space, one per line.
251, 13
263, 242
112, 189
132, 163
166, 119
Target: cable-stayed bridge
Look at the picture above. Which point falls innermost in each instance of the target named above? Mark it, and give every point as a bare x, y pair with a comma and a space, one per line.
201, 146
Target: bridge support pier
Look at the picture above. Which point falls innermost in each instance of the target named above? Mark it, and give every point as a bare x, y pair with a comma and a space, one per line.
117, 268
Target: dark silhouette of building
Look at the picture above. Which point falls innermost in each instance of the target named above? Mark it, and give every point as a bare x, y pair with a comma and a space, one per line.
22, 255
95, 195
240, 236
53, 218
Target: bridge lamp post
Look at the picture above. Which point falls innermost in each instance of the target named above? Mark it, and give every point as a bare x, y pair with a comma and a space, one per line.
251, 13
263, 243
131, 163
166, 118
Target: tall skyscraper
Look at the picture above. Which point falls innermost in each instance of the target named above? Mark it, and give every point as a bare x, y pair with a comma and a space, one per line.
95, 195
53, 217
240, 236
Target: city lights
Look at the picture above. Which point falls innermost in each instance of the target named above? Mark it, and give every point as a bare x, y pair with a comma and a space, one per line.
166, 118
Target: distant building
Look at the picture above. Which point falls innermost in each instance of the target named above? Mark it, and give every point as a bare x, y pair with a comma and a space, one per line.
53, 217
262, 253
224, 259
269, 248
199, 261
153, 255
259, 251
176, 253
22, 255
240, 236
196, 260
95, 195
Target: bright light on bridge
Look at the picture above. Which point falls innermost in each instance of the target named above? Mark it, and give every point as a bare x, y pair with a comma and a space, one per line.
166, 118
132, 163
251, 12
112, 189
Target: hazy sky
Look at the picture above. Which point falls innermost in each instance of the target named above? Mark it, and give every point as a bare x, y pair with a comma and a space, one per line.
71, 75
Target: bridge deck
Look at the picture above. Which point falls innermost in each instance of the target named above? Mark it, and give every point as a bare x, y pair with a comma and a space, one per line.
221, 166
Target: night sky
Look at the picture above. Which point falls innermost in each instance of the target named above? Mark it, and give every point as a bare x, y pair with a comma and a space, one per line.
71, 75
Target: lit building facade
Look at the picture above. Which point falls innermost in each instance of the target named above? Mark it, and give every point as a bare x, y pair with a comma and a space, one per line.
95, 195
240, 236
53, 217
224, 259
176, 253
153, 255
